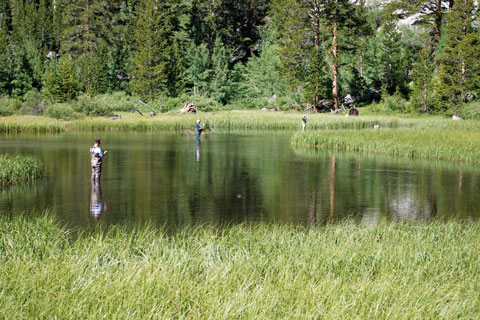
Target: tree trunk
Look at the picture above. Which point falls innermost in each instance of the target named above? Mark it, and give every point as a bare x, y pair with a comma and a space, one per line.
335, 65
438, 24
464, 98
317, 48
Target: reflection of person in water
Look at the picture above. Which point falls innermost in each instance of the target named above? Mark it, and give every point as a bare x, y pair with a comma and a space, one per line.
96, 203
197, 147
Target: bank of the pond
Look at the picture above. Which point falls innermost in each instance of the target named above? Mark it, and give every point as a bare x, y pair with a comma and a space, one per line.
248, 271
216, 120
30, 124
15, 169
446, 144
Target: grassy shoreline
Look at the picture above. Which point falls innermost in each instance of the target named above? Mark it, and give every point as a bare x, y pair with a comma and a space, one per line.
237, 119
442, 144
16, 169
247, 271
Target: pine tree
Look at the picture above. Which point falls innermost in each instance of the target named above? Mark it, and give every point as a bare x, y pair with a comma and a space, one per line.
391, 57
220, 83
6, 55
317, 83
262, 75
422, 80
451, 90
427, 12
199, 72
121, 54
149, 73
157, 26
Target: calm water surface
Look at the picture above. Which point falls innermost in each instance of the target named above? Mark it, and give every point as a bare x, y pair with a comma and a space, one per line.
167, 179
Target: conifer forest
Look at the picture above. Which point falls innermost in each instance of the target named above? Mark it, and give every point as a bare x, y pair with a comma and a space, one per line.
418, 56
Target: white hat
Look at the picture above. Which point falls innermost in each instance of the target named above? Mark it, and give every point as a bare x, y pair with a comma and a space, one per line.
198, 121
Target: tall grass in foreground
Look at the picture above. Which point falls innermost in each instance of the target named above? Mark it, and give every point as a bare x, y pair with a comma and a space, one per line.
247, 272
15, 169
444, 144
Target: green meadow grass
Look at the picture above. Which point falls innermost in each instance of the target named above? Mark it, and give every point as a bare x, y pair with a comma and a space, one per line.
236, 119
341, 271
15, 169
30, 124
215, 120
448, 143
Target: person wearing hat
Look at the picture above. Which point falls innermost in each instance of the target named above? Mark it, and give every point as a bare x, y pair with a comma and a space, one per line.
198, 129
96, 156
304, 122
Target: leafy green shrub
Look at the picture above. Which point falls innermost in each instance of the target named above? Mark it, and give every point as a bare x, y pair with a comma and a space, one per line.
6, 106
91, 106
244, 103
285, 103
470, 110
164, 104
116, 101
33, 103
395, 103
61, 111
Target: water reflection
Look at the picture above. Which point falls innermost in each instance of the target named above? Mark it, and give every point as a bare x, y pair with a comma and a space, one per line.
197, 147
237, 177
96, 204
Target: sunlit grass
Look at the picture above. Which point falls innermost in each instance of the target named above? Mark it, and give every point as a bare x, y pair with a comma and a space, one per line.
447, 143
30, 124
237, 119
15, 169
339, 271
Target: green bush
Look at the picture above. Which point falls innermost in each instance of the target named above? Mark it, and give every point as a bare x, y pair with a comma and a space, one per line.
204, 104
395, 103
6, 106
91, 106
244, 103
61, 111
33, 103
470, 110
116, 101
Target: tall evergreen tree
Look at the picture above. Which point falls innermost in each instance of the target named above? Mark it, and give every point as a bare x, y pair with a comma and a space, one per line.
61, 80
199, 71
422, 81
220, 84
426, 12
157, 27
391, 57
6, 56
262, 76
451, 90
121, 53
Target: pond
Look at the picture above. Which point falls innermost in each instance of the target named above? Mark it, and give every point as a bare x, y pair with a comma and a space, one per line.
165, 178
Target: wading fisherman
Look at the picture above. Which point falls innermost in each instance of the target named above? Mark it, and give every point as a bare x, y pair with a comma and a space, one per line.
304, 122
198, 129
96, 156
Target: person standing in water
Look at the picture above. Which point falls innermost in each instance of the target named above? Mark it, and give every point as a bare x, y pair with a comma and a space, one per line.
304, 122
96, 157
198, 129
